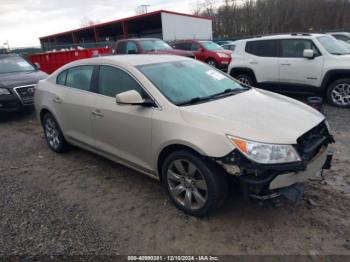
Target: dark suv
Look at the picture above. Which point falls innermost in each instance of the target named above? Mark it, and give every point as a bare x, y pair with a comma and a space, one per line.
18, 78
147, 46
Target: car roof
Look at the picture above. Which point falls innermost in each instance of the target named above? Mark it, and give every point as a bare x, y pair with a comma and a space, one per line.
283, 36
132, 60
342, 33
185, 41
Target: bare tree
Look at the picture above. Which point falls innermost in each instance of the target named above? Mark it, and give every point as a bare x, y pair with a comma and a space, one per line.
241, 18
86, 21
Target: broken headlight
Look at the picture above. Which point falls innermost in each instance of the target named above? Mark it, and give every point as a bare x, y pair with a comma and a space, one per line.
265, 153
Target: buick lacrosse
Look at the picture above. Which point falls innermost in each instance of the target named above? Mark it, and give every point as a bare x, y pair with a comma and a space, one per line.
186, 124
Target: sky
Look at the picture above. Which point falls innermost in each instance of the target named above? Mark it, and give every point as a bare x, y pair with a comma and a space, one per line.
22, 22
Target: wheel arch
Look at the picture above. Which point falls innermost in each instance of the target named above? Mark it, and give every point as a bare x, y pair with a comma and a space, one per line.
334, 75
239, 70
172, 148
211, 58
43, 112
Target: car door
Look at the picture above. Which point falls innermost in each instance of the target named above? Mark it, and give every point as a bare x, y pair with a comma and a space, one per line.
122, 131
294, 68
262, 59
75, 104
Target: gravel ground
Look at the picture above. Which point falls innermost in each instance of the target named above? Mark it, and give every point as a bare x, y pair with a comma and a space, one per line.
79, 203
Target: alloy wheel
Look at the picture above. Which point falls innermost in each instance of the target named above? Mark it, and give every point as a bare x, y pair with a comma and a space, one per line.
187, 185
244, 80
340, 94
52, 133
211, 63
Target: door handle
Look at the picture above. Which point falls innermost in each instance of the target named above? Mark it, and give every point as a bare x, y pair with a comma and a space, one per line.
285, 64
97, 113
254, 63
57, 100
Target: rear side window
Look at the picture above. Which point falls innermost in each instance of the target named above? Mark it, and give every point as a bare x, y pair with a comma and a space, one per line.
61, 78
183, 46
113, 81
264, 48
80, 77
121, 48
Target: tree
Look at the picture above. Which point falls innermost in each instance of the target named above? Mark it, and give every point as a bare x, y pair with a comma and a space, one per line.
85, 21
242, 18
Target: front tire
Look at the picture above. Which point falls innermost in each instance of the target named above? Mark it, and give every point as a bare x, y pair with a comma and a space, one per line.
211, 62
338, 93
53, 134
194, 186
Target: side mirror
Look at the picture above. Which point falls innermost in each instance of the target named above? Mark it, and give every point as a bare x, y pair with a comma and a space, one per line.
201, 50
37, 65
132, 97
309, 54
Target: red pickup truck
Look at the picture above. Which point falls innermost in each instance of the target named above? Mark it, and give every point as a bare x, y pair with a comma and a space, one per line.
147, 46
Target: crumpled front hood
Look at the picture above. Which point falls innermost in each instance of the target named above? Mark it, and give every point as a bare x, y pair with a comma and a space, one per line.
11, 80
255, 115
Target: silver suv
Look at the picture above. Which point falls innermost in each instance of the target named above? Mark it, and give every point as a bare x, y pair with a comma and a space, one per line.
185, 123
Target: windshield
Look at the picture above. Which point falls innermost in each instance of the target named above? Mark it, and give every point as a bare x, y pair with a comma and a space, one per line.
184, 81
332, 45
211, 46
13, 64
345, 44
154, 45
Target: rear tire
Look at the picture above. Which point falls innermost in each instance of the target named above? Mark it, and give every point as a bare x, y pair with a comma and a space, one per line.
53, 134
245, 79
338, 93
194, 186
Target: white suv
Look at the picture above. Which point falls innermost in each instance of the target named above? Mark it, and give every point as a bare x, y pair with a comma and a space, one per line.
295, 63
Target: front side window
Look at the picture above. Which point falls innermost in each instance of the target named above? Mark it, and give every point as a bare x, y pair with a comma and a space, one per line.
131, 48
195, 47
80, 77
183, 81
264, 48
14, 64
211, 46
113, 81
332, 45
294, 48
154, 45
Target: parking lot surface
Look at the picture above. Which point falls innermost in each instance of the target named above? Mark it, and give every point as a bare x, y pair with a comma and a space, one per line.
80, 203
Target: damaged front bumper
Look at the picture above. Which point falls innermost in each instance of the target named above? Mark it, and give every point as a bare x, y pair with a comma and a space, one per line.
269, 181
266, 181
